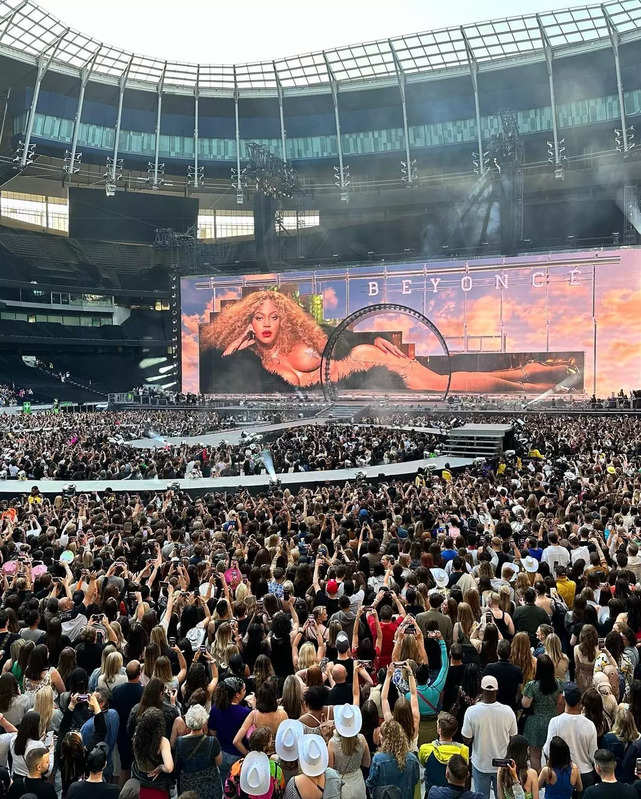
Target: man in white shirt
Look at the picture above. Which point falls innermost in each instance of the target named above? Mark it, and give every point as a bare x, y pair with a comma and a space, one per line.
578, 732
555, 554
487, 729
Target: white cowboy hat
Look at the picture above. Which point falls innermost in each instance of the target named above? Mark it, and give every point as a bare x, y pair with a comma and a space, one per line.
288, 735
255, 775
348, 720
530, 564
312, 755
440, 577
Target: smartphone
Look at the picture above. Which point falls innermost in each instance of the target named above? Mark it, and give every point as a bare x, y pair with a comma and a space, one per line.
410, 629
96, 616
172, 641
638, 766
202, 648
83, 698
286, 595
500, 762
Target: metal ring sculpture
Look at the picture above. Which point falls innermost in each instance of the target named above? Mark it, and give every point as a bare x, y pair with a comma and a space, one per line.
330, 390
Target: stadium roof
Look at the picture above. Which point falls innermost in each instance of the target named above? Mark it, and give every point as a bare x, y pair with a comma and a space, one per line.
28, 32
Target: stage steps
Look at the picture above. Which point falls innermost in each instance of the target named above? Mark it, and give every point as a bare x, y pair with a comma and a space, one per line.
476, 440
345, 412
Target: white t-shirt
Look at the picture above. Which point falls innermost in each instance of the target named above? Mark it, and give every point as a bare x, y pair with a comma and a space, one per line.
491, 726
580, 735
555, 555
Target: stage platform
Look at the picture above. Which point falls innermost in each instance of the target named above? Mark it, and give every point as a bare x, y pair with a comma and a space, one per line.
234, 434
258, 482
255, 482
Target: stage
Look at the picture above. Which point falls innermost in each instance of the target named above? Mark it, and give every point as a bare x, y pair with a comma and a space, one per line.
393, 471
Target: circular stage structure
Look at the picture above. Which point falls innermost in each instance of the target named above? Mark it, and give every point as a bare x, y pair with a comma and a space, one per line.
391, 321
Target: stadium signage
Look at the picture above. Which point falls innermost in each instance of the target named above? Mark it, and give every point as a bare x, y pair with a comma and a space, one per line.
537, 278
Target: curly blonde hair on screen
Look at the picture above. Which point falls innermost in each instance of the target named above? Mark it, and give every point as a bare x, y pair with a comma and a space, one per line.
295, 324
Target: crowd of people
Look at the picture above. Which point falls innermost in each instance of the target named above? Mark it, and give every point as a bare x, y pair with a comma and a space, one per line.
461, 633
94, 446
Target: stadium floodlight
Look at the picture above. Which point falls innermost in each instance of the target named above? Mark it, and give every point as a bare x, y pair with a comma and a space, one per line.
19, 161
110, 189
239, 183
66, 164
624, 143
342, 184
151, 171
195, 175
481, 166
408, 175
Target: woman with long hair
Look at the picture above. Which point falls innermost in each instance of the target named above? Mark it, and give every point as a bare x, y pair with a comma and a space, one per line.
613, 662
593, 710
263, 672
290, 343
226, 717
50, 715
38, 672
623, 734
20, 653
585, 653
13, 705
153, 695
266, 714
394, 763
517, 772
151, 655
28, 737
560, 777
153, 763
465, 624
112, 674
66, 663
521, 656
292, 698
198, 757
552, 646
472, 598
55, 640
72, 759
543, 697
348, 751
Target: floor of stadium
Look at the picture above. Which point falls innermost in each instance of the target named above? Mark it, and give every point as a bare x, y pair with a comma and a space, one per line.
252, 482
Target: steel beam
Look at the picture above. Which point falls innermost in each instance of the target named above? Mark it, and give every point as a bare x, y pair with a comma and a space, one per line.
159, 89
122, 85
85, 73
7, 19
333, 83
548, 51
44, 60
615, 39
283, 137
402, 83
237, 121
474, 72
196, 136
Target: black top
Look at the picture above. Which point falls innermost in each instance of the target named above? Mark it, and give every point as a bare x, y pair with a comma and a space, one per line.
610, 790
509, 677
40, 788
92, 790
340, 694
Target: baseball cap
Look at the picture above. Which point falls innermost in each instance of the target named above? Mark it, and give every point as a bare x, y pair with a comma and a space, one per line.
572, 694
489, 683
331, 587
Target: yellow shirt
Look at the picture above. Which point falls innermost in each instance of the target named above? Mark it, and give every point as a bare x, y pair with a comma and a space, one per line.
567, 590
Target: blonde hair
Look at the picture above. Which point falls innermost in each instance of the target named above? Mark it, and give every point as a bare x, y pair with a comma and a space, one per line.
295, 324
552, 646
221, 641
505, 598
624, 727
307, 656
394, 741
43, 704
113, 664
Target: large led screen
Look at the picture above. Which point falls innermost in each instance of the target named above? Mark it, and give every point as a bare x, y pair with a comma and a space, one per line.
562, 323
